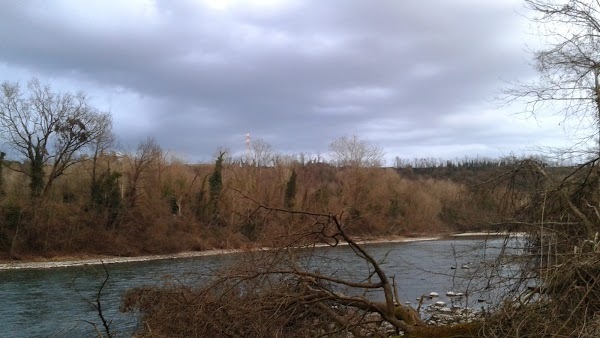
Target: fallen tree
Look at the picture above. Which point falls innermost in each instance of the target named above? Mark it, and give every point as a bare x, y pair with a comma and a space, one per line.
283, 292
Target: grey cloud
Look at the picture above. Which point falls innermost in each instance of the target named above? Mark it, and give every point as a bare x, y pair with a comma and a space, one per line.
297, 76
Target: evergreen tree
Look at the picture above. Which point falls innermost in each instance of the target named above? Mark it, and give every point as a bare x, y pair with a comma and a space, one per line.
290, 190
215, 182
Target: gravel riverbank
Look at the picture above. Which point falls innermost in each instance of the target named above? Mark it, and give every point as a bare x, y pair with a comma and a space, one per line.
68, 262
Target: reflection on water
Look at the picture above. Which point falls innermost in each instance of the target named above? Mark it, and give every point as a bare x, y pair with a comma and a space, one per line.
59, 302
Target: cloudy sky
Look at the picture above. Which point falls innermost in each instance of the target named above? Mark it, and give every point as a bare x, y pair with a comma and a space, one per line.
417, 78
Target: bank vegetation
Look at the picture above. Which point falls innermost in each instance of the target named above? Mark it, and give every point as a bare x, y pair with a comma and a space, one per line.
147, 202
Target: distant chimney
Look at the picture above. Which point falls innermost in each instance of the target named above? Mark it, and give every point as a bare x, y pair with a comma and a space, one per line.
248, 155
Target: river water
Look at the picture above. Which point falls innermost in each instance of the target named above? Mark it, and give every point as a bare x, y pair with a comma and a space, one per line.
60, 302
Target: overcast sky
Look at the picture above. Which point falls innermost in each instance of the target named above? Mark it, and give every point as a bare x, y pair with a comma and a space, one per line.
417, 78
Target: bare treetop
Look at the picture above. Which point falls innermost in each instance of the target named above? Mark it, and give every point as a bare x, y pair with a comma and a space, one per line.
354, 152
568, 67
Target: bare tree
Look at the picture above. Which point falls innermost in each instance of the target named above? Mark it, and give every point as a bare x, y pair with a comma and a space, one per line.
49, 129
262, 153
569, 67
147, 153
559, 294
355, 152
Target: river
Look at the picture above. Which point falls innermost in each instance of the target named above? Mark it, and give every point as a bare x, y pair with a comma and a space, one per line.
59, 302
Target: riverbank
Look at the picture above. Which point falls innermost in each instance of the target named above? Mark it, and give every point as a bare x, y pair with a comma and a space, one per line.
62, 262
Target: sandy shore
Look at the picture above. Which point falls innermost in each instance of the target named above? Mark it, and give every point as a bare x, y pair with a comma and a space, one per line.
17, 265
108, 260
473, 234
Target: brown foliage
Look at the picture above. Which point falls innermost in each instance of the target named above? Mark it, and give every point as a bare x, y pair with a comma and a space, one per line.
146, 203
